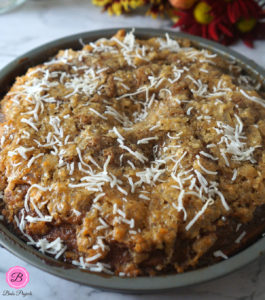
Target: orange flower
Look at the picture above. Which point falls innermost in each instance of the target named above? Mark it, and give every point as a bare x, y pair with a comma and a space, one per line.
182, 4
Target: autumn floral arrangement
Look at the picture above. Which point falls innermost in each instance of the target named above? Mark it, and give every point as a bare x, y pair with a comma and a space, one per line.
224, 21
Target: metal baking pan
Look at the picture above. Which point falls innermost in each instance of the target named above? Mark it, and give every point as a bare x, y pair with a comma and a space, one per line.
127, 285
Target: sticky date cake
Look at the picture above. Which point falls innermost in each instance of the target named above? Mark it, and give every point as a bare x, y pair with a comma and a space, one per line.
134, 157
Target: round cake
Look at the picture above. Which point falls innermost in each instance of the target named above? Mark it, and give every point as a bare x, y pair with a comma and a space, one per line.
134, 157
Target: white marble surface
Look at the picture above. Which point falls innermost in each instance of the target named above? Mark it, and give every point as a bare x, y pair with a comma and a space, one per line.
40, 21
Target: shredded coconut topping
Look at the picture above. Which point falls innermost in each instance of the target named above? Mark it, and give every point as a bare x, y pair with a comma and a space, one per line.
122, 147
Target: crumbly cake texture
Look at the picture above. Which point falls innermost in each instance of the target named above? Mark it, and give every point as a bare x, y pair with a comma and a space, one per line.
134, 157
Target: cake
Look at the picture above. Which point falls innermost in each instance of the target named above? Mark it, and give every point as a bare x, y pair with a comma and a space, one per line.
134, 157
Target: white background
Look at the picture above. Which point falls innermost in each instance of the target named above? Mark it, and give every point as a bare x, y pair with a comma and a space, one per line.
41, 21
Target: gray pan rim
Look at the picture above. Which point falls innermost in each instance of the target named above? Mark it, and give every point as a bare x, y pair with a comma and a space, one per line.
138, 285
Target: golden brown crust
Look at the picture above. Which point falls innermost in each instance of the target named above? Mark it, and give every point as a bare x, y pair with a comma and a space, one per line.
131, 156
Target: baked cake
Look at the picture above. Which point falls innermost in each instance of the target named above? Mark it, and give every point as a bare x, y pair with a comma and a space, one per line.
134, 157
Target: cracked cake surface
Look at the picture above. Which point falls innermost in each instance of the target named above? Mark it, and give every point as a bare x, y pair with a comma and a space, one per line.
134, 157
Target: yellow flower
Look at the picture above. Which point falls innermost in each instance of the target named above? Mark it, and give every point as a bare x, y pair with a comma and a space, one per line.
100, 2
246, 25
202, 13
118, 7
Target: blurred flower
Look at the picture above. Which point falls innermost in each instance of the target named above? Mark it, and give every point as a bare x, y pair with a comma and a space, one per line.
182, 4
224, 20
246, 15
161, 8
237, 9
156, 7
201, 19
118, 7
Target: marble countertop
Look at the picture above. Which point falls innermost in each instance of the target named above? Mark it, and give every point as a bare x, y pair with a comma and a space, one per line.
41, 21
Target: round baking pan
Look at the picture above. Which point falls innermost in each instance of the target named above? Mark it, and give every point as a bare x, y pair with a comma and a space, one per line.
127, 285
